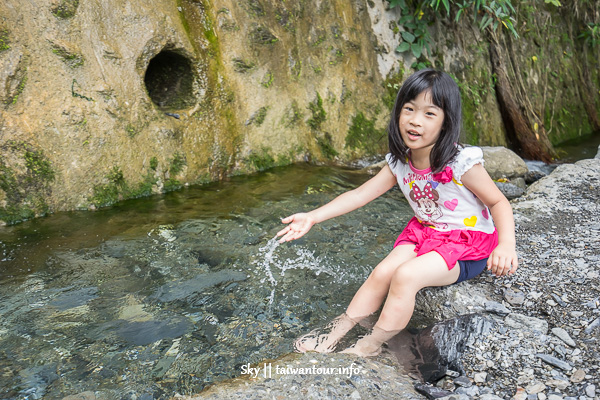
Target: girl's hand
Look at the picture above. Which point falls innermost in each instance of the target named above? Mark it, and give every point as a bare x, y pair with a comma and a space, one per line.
503, 260
299, 225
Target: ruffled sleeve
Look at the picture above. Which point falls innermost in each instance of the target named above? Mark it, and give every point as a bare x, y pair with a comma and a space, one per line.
467, 157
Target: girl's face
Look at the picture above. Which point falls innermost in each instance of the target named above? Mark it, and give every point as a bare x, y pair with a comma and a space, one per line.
421, 122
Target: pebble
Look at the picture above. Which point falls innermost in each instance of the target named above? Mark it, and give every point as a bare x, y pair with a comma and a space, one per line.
480, 377
535, 387
463, 381
564, 336
592, 326
578, 376
524, 322
558, 383
514, 297
496, 308
555, 362
590, 391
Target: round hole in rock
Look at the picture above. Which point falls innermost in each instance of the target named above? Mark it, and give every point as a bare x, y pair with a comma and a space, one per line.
169, 80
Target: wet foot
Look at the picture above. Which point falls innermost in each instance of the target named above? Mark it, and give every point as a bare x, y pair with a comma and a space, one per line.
363, 351
325, 342
370, 345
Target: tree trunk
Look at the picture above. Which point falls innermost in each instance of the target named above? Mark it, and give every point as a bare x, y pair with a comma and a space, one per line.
530, 144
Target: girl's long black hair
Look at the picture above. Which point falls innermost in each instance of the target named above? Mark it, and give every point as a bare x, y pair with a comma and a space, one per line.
444, 94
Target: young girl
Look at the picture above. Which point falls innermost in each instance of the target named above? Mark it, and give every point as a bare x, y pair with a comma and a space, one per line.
452, 236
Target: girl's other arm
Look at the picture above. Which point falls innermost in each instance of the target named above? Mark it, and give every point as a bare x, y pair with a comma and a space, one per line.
300, 224
503, 259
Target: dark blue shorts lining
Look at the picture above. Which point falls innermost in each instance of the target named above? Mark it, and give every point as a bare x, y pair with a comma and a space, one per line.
470, 269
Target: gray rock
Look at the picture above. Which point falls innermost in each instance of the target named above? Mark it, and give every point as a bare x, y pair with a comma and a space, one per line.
590, 391
488, 396
565, 366
463, 381
523, 322
510, 190
594, 325
432, 392
501, 162
514, 297
470, 391
564, 336
496, 308
598, 153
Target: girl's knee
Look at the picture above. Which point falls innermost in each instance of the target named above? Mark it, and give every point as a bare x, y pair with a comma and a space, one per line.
382, 273
405, 278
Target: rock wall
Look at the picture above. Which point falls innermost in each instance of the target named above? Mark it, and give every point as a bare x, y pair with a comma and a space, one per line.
106, 100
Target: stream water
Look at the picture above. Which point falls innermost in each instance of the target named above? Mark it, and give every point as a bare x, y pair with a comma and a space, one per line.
169, 294
172, 293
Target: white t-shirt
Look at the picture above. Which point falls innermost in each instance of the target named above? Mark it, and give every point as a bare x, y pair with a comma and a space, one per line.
444, 204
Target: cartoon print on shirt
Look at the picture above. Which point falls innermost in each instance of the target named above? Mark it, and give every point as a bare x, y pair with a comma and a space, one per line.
427, 208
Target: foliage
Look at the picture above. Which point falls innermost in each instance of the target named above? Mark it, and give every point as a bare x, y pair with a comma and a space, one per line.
262, 160
417, 15
591, 34
363, 134
318, 113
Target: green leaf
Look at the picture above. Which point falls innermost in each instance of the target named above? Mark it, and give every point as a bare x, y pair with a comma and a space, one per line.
409, 37
417, 49
405, 46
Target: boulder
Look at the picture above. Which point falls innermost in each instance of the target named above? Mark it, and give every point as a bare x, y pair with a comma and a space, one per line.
501, 162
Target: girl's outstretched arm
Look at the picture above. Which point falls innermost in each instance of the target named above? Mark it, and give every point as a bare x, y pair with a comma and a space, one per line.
503, 259
300, 224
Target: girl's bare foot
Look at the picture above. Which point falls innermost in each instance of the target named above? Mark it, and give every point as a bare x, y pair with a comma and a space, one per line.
370, 345
325, 342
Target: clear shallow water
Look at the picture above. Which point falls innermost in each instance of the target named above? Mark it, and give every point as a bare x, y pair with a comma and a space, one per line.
579, 149
168, 294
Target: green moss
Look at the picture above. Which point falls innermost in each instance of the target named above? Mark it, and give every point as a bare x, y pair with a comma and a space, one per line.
25, 189
326, 146
4, 40
20, 89
363, 135
261, 159
391, 86
65, 8
292, 115
242, 66
254, 8
263, 36
259, 116
131, 131
319, 40
267, 80
73, 60
177, 163
318, 113
153, 163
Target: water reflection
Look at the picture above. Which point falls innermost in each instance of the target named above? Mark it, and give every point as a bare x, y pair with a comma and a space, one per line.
168, 294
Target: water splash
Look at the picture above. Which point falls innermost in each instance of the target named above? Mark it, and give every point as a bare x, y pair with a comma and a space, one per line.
272, 263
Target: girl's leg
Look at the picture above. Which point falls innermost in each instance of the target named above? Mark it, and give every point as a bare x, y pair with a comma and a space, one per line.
427, 270
365, 302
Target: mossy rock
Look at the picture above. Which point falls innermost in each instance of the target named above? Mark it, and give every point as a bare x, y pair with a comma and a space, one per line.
26, 175
4, 39
65, 8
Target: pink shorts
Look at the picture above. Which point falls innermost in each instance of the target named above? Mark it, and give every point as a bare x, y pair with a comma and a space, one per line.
454, 245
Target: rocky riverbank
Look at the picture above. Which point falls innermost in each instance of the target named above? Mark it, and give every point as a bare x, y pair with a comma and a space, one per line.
542, 339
